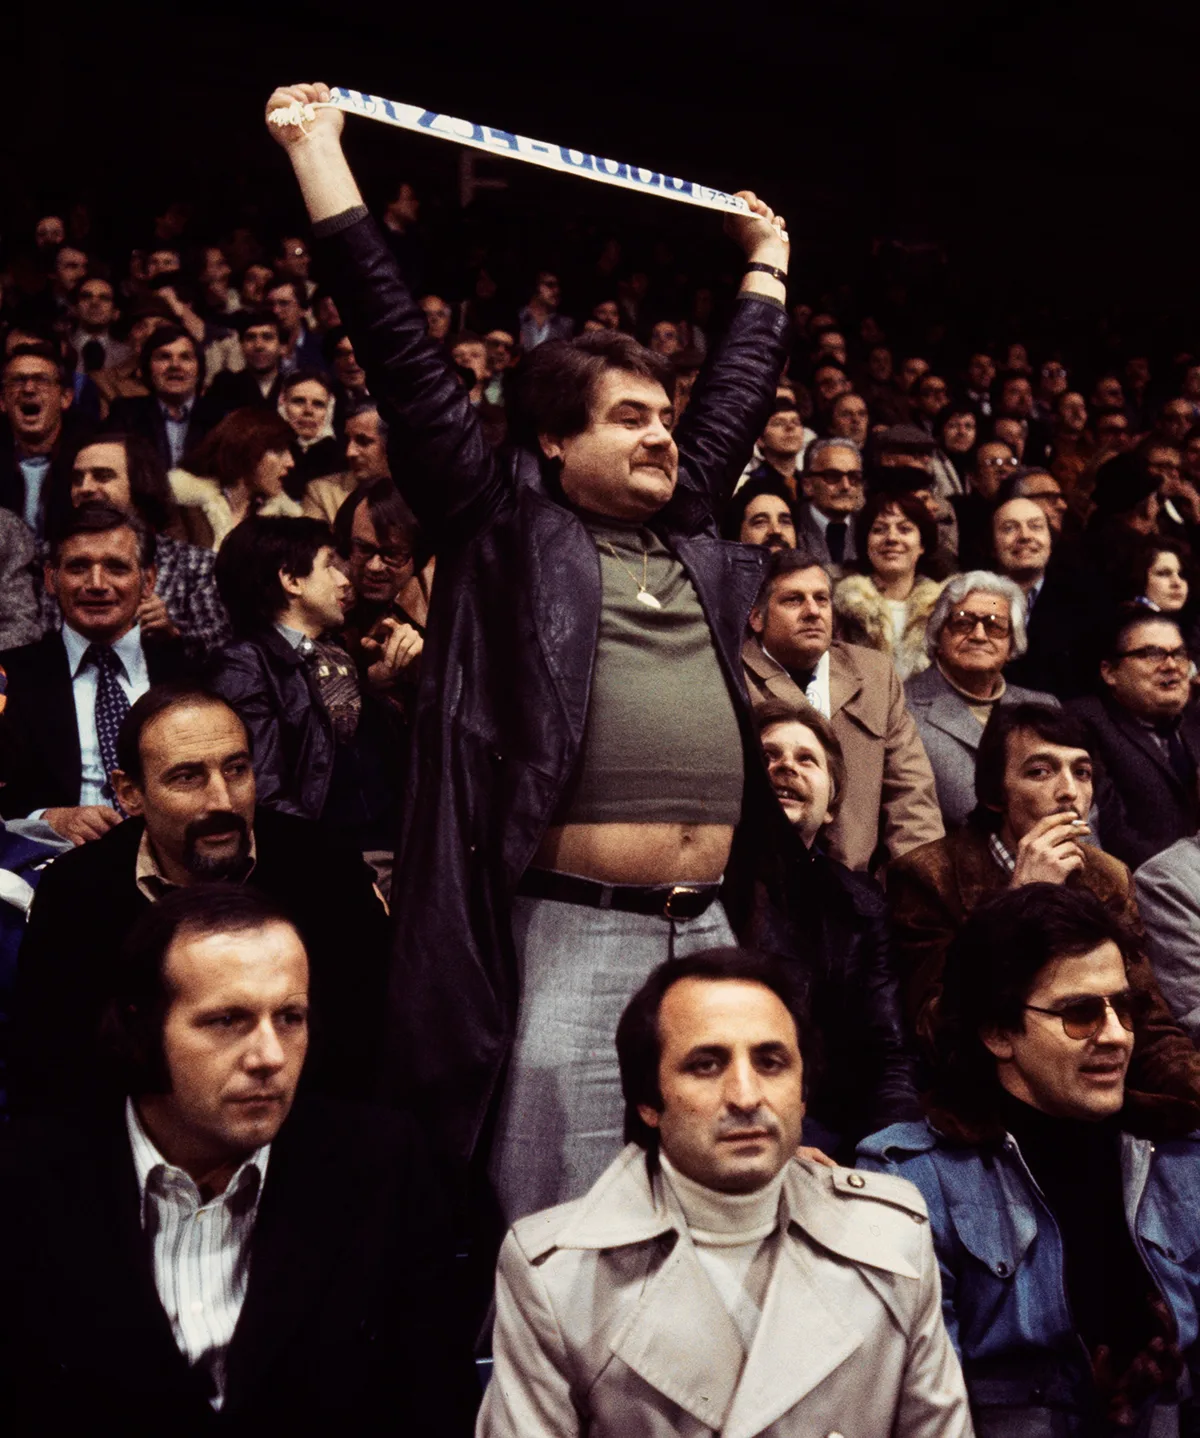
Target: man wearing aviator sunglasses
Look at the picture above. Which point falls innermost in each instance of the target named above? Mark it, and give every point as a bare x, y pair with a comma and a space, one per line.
833, 488
1054, 1188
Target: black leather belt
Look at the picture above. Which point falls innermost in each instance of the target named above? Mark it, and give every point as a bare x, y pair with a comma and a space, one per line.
668, 901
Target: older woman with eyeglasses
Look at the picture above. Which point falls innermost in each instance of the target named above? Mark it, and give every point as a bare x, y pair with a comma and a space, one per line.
976, 627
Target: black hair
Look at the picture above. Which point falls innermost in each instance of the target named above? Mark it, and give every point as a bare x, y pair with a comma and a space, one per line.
251, 558
155, 701
167, 334
1129, 616
389, 514
560, 377
735, 512
131, 1030
991, 968
277, 282
258, 319
40, 349
1140, 560
1055, 726
149, 487
894, 496
639, 1043
331, 339
96, 517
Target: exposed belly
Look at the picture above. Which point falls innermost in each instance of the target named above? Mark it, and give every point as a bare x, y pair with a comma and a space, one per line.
638, 853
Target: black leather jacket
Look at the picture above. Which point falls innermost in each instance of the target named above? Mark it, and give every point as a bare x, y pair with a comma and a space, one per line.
860, 1065
291, 736
507, 667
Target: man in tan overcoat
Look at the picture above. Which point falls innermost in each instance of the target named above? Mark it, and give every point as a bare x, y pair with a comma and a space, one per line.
890, 802
711, 1282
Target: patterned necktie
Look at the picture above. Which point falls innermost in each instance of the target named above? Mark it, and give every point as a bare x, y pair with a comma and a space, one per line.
112, 705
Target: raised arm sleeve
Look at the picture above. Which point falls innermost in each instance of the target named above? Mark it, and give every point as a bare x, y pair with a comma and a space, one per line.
732, 400
441, 461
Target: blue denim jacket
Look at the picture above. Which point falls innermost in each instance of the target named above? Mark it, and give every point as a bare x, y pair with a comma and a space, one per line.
1003, 1287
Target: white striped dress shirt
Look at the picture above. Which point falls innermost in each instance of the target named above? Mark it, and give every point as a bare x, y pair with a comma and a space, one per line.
200, 1251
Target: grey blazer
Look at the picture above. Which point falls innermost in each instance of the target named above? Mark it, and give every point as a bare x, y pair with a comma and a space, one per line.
951, 735
1168, 899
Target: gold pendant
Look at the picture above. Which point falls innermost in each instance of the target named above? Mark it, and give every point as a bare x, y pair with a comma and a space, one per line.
648, 599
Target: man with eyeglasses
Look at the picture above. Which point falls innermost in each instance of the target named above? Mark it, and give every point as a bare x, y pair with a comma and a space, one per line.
35, 396
994, 462
1057, 1177
1145, 731
834, 491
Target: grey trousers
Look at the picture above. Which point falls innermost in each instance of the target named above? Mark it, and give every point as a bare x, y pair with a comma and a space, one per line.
561, 1114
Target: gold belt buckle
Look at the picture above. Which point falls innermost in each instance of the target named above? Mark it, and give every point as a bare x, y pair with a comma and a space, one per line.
677, 890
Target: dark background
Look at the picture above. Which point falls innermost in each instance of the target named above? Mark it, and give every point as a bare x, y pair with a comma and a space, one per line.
1053, 150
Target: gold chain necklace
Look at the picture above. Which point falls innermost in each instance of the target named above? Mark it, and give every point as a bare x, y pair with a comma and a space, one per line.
643, 593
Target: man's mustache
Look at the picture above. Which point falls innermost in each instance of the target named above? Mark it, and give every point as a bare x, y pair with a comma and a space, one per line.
738, 1121
218, 823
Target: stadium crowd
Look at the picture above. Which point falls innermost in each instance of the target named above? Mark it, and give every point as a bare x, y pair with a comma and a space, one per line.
610, 851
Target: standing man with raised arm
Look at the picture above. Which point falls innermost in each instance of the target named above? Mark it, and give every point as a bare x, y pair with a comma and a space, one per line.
581, 739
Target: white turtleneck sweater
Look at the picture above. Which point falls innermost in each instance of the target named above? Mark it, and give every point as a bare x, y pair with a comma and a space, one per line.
735, 1240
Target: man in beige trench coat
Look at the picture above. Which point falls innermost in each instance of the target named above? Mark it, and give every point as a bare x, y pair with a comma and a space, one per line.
711, 1282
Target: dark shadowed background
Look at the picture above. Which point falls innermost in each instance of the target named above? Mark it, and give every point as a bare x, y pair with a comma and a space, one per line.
1052, 149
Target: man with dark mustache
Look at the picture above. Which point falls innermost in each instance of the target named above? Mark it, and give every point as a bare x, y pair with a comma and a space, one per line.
185, 778
761, 512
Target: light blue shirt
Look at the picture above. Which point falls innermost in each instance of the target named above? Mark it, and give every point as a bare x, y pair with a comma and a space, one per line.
295, 638
134, 679
177, 431
34, 470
